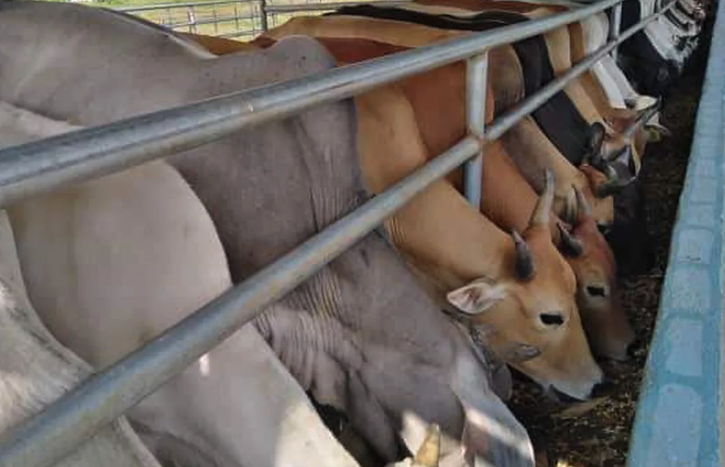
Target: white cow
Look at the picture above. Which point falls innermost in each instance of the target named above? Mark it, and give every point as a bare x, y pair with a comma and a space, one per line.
36, 370
143, 255
617, 87
29, 351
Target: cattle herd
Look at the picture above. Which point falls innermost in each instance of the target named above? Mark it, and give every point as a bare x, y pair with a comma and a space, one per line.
410, 334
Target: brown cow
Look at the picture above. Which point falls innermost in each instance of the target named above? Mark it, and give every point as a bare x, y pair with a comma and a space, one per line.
565, 46
395, 150
592, 262
453, 245
622, 147
545, 155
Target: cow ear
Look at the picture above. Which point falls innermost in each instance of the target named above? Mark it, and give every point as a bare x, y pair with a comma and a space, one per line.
656, 132
477, 297
570, 214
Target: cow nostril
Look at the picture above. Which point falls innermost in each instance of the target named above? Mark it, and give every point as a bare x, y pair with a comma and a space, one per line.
561, 397
602, 389
632, 349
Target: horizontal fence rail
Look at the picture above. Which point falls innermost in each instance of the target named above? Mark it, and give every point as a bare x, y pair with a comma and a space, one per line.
165, 6
293, 8
92, 152
248, 16
85, 154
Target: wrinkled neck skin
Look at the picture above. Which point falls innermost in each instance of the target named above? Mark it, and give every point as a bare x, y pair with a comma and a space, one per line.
340, 335
533, 153
359, 352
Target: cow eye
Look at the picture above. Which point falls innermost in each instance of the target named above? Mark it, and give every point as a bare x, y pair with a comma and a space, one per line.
604, 229
551, 319
597, 291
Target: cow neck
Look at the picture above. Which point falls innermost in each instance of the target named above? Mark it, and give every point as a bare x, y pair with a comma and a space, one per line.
500, 178
449, 239
558, 118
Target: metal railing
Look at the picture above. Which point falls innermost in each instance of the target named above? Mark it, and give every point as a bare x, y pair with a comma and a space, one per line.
278, 12
230, 18
93, 152
226, 18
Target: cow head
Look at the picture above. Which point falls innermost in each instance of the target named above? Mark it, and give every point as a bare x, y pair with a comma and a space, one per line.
593, 263
638, 126
612, 157
655, 132
535, 306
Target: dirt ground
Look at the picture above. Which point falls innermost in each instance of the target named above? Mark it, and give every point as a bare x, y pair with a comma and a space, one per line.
596, 433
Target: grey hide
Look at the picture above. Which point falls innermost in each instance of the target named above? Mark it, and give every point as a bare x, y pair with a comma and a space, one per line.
360, 335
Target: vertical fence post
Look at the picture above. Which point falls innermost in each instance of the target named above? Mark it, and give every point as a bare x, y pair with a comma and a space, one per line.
191, 16
216, 20
476, 84
263, 15
614, 23
236, 19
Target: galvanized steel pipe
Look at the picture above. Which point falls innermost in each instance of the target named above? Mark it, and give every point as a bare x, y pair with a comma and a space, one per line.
84, 154
506, 121
102, 398
163, 6
476, 87
293, 8
81, 155
614, 24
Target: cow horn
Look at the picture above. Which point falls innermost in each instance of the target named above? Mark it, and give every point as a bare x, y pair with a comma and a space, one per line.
525, 269
612, 187
429, 452
614, 182
570, 214
640, 102
596, 160
656, 104
570, 245
597, 132
584, 209
610, 173
623, 161
623, 158
657, 131
542, 210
